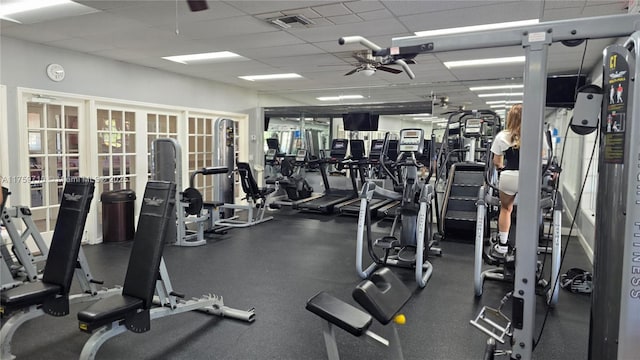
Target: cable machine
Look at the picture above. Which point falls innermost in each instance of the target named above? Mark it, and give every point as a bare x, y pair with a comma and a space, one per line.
535, 40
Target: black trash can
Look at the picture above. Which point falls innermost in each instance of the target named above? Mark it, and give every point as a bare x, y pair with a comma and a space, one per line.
117, 215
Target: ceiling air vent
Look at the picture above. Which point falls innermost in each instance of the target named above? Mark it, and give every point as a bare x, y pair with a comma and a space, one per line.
290, 21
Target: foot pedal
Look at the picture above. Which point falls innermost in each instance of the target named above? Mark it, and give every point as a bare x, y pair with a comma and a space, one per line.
387, 242
407, 254
493, 323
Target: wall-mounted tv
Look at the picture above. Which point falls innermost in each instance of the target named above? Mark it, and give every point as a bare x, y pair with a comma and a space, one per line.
360, 121
561, 90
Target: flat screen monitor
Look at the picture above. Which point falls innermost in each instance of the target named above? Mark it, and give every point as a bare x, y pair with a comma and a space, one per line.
360, 121
561, 90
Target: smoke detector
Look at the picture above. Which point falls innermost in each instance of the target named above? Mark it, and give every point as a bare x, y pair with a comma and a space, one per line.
290, 21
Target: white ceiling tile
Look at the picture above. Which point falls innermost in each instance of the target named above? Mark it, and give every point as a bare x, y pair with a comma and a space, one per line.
223, 27
400, 8
331, 10
486, 14
259, 7
364, 6
369, 28
562, 4
164, 12
375, 15
607, 9
271, 39
91, 24
345, 19
280, 51
107, 5
307, 12
34, 33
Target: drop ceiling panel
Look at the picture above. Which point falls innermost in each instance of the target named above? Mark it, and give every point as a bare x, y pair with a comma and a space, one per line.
37, 33
259, 7
100, 23
213, 29
485, 14
271, 39
332, 10
368, 28
164, 12
280, 51
375, 15
80, 44
364, 6
345, 19
400, 8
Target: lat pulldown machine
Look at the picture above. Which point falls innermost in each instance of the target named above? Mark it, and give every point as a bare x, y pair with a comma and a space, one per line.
535, 40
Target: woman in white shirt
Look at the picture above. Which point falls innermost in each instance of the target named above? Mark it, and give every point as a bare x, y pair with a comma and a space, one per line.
506, 158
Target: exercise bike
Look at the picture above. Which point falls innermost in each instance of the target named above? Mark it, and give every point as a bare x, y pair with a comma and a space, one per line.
410, 239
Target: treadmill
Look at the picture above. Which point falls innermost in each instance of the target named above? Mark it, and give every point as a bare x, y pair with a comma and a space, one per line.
332, 197
353, 208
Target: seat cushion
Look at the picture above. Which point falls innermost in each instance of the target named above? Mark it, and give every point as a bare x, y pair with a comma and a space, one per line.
29, 294
340, 313
108, 310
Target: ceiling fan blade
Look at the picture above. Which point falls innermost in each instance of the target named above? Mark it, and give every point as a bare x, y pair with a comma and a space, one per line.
389, 69
352, 72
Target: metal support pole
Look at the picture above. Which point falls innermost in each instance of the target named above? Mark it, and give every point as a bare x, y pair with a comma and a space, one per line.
536, 47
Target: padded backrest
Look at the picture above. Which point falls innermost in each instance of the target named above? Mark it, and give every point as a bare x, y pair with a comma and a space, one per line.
383, 295
144, 262
67, 235
249, 184
5, 194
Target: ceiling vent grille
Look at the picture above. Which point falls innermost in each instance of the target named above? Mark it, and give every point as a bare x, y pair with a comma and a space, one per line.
289, 21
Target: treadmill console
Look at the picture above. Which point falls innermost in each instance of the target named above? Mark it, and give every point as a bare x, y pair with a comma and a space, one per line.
376, 149
339, 149
301, 156
411, 140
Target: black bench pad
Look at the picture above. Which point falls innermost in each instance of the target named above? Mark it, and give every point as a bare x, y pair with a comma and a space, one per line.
338, 312
29, 294
108, 310
383, 295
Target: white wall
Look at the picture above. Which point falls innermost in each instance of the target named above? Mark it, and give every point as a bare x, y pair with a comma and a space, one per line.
22, 64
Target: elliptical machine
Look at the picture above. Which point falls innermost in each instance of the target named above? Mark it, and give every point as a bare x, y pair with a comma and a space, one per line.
409, 245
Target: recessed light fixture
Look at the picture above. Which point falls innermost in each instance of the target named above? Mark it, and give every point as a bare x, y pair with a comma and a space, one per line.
34, 11
474, 28
483, 62
270, 77
496, 87
501, 94
499, 106
203, 57
340, 97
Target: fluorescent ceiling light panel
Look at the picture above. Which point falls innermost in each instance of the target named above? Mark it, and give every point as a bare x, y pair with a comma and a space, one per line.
501, 106
474, 28
204, 57
484, 62
341, 97
270, 77
507, 95
494, 102
496, 87
34, 11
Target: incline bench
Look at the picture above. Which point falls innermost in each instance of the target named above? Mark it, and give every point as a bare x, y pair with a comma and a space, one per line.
382, 296
51, 295
146, 274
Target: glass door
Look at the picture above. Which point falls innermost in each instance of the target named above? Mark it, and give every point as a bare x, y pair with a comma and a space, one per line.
53, 155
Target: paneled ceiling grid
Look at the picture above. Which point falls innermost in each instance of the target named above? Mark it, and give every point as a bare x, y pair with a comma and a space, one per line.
141, 32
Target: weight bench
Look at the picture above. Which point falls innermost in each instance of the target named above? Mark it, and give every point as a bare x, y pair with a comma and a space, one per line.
146, 273
256, 197
382, 296
51, 295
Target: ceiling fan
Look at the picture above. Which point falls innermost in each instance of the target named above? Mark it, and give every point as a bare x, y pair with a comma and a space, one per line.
369, 64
